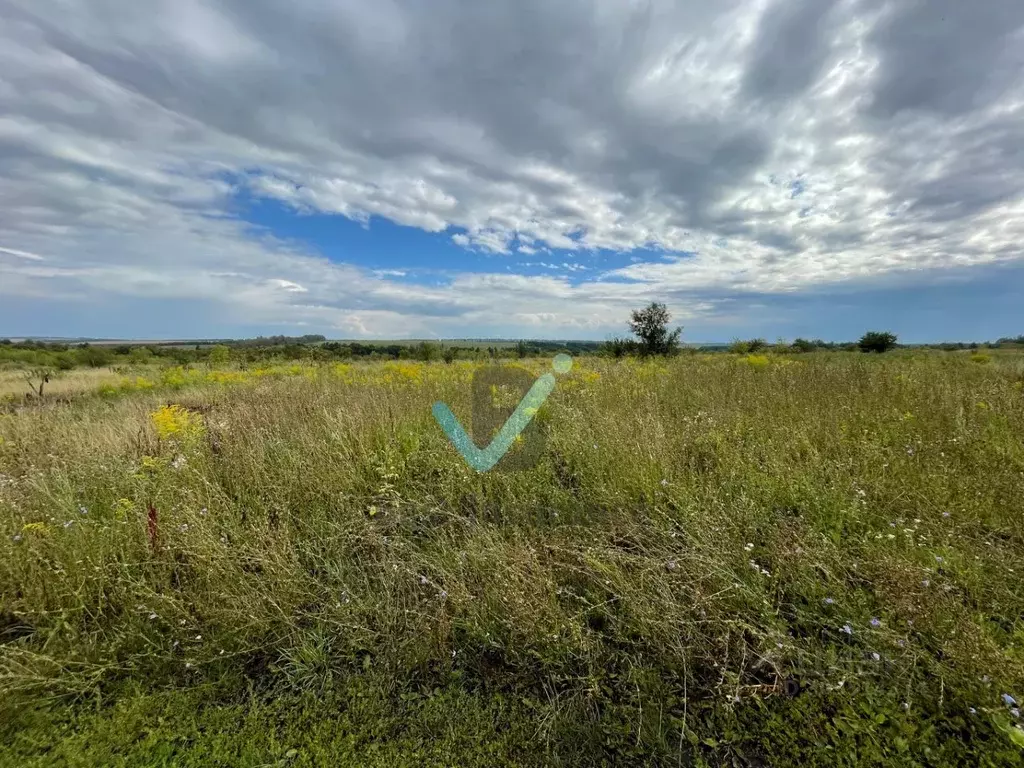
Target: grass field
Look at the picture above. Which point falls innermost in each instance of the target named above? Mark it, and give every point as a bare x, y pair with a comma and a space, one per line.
721, 560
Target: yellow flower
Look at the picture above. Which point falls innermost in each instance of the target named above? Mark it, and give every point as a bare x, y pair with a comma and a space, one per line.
41, 528
175, 421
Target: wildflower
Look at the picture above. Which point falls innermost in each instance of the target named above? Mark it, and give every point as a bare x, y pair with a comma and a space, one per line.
203, 511
175, 421
876, 657
1009, 701
861, 492
925, 583
83, 511
424, 580
68, 523
847, 629
670, 565
1015, 712
945, 514
876, 622
828, 601
183, 527
17, 538
900, 643
188, 665
444, 594
938, 558
178, 462
664, 482
748, 547
199, 637
972, 710
152, 616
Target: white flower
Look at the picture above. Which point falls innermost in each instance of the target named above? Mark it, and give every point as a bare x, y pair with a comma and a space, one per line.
876, 657
178, 462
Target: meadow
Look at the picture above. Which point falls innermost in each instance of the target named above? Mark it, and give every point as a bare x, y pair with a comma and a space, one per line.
743, 560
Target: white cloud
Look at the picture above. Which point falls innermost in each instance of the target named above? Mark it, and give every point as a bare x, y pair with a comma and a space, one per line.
287, 285
779, 145
21, 254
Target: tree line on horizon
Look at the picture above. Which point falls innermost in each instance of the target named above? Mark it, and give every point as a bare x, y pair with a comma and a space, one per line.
649, 328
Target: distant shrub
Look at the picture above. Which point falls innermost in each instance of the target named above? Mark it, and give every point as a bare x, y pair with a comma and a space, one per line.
877, 341
981, 358
618, 348
741, 347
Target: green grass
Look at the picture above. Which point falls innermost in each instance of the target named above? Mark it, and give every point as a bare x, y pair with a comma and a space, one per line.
669, 586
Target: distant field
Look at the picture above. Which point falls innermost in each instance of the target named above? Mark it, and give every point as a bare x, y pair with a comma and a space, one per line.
721, 560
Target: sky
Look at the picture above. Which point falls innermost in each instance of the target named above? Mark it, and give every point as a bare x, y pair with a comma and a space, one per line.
511, 168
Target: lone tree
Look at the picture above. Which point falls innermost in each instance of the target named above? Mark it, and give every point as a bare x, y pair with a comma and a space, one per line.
877, 341
650, 325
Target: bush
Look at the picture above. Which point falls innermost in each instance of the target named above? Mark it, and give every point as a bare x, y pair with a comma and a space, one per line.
618, 348
877, 341
741, 347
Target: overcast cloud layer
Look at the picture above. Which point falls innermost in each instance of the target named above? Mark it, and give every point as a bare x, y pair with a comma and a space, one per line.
769, 147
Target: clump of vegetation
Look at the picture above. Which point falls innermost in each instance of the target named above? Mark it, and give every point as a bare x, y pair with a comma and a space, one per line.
877, 341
